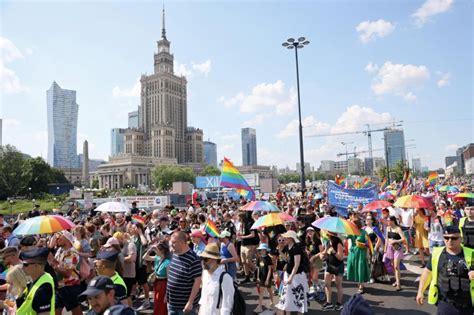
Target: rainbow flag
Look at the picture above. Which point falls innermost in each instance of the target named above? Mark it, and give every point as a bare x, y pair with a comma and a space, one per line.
370, 246
340, 180
384, 184
211, 229
366, 182
432, 179
231, 178
138, 219
403, 188
357, 185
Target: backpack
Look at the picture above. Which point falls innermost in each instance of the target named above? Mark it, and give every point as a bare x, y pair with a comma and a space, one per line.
239, 306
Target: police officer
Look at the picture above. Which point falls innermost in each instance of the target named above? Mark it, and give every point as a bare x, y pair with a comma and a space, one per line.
466, 226
105, 264
450, 276
100, 294
39, 295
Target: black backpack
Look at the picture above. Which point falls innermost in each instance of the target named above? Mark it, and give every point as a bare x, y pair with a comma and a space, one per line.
239, 306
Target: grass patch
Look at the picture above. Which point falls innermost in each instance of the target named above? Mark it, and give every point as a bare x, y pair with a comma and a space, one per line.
23, 206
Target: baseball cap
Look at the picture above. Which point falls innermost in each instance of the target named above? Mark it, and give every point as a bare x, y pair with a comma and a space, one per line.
98, 285
451, 229
39, 255
111, 242
109, 255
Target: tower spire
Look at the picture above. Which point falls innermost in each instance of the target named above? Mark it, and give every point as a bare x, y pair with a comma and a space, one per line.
163, 29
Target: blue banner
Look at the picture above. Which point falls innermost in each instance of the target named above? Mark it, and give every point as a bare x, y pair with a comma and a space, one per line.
208, 181
341, 197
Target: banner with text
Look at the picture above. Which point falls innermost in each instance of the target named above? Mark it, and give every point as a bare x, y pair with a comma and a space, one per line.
343, 197
215, 181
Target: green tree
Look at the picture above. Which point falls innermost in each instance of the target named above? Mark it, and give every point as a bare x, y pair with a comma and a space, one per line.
41, 174
13, 177
210, 170
95, 183
289, 178
164, 175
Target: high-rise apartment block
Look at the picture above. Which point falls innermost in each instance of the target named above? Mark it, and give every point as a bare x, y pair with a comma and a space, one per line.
395, 146
249, 146
210, 153
117, 141
134, 119
62, 127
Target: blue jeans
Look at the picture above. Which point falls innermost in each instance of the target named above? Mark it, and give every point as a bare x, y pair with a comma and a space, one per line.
179, 311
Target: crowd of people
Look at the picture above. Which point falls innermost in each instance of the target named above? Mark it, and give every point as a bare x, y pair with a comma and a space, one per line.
167, 261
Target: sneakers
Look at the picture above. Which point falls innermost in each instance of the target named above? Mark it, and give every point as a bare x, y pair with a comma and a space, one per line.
271, 307
312, 290
146, 305
327, 306
338, 307
258, 309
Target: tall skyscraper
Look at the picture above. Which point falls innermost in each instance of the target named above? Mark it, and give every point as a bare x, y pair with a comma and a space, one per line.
394, 146
85, 165
117, 141
249, 146
210, 153
62, 127
133, 119
416, 165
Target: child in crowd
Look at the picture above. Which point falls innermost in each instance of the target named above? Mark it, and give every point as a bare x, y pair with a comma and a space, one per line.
264, 275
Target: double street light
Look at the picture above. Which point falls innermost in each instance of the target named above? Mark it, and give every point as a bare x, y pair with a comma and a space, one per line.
291, 43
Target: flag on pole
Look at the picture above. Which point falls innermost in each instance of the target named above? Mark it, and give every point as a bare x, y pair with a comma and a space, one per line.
431, 180
231, 178
211, 229
403, 188
366, 182
340, 180
384, 184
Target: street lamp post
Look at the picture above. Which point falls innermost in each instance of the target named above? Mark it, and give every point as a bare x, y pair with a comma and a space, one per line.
291, 43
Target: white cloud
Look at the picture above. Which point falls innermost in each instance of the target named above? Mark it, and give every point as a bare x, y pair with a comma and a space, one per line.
255, 121
10, 122
310, 127
9, 81
356, 117
133, 91
369, 30
445, 79
203, 68
264, 97
371, 67
9, 52
399, 79
451, 148
189, 71
431, 8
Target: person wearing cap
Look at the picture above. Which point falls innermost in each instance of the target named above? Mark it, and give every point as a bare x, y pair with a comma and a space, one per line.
229, 256
39, 296
163, 228
466, 226
264, 276
212, 275
105, 265
295, 283
197, 238
66, 267
100, 294
184, 277
450, 276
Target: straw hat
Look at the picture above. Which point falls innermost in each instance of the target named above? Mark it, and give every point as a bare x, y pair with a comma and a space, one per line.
211, 251
291, 234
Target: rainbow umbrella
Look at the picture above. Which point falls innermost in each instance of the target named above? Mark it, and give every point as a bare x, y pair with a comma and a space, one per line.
448, 188
44, 224
376, 204
272, 219
336, 225
465, 195
386, 195
260, 206
413, 201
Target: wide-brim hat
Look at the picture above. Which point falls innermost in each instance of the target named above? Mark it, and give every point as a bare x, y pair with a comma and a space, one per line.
68, 235
291, 234
211, 251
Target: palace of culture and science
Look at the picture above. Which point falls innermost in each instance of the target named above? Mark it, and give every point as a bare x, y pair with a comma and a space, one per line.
162, 136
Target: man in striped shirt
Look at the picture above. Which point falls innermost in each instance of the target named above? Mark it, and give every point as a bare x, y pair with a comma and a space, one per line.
184, 277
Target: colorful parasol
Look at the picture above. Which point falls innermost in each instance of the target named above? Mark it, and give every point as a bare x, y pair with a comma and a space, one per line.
336, 225
386, 195
448, 188
413, 201
272, 219
45, 224
468, 195
376, 204
260, 206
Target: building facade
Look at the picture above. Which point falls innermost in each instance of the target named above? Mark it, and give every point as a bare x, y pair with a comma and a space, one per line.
448, 160
210, 153
355, 166
340, 167
468, 157
460, 160
327, 166
395, 146
416, 165
307, 168
134, 119
249, 146
117, 141
62, 127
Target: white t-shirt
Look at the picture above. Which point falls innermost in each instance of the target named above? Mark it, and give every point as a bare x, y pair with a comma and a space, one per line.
407, 218
210, 293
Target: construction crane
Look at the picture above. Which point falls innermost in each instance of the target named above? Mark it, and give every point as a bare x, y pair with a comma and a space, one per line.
355, 154
367, 132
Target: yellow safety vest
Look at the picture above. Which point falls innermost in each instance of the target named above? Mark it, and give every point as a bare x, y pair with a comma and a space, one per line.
433, 290
461, 224
118, 280
27, 307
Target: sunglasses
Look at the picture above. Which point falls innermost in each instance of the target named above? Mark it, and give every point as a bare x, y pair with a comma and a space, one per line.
452, 238
25, 264
204, 259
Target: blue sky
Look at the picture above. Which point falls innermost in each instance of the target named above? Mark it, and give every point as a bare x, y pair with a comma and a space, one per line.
368, 62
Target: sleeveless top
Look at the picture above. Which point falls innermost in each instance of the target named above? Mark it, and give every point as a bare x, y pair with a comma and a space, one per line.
224, 251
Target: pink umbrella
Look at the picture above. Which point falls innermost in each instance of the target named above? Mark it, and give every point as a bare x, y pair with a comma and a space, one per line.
376, 204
